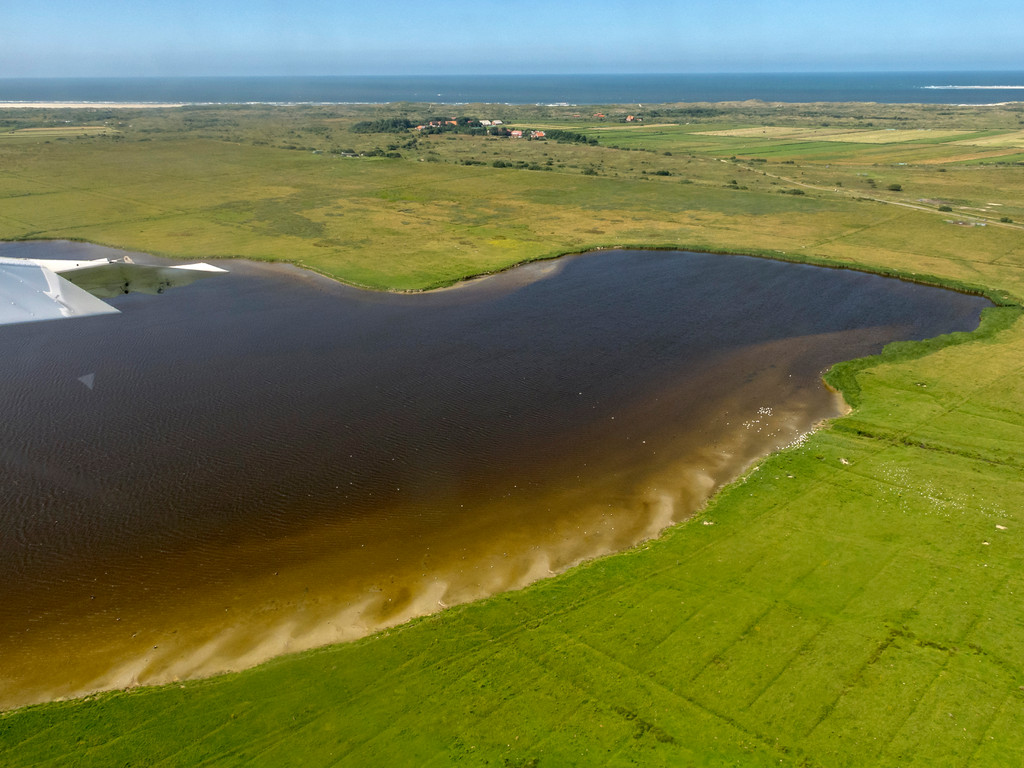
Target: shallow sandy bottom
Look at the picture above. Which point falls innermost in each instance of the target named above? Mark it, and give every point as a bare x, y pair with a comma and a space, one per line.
333, 594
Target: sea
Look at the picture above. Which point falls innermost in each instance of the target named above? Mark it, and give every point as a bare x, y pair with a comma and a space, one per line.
988, 87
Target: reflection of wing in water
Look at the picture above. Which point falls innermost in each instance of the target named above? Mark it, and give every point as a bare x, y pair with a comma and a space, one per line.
45, 289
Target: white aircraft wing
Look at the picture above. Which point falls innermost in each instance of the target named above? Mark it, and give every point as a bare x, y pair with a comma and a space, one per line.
32, 289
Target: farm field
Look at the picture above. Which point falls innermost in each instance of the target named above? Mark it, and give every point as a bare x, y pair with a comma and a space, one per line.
888, 136
1010, 139
854, 600
64, 131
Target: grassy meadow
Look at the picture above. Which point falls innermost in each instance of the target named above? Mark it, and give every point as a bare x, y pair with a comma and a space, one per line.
857, 599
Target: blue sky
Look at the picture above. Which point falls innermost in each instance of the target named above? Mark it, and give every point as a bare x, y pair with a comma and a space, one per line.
340, 37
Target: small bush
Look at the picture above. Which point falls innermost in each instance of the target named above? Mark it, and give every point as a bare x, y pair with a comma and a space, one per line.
386, 125
895, 187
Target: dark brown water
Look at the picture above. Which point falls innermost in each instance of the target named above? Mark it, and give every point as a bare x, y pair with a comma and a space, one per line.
269, 460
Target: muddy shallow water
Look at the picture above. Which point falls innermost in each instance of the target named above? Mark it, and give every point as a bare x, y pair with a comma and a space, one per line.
268, 460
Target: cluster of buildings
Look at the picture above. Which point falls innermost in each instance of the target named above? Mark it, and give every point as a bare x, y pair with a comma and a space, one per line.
446, 123
516, 134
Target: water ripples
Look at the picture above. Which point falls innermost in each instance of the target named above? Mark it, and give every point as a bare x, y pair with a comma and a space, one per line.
273, 464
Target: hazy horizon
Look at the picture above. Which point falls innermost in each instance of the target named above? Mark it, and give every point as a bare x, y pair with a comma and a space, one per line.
427, 75
189, 38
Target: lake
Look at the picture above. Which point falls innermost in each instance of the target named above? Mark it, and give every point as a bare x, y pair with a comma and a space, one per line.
269, 460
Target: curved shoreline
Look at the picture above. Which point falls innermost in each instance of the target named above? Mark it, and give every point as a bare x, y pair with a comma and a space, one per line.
999, 297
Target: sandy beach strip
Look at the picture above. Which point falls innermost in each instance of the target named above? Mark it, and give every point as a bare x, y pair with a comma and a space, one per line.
84, 105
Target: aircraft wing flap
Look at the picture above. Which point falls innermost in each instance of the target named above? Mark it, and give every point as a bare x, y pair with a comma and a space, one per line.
30, 292
114, 278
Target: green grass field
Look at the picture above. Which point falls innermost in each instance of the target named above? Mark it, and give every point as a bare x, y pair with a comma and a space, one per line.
855, 600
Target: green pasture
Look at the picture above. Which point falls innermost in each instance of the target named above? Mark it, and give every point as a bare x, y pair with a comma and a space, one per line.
830, 145
403, 223
855, 600
851, 602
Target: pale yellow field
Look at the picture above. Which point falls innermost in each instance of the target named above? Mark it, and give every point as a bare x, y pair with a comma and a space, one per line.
1013, 139
890, 136
59, 131
619, 127
979, 154
773, 132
